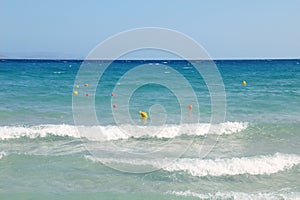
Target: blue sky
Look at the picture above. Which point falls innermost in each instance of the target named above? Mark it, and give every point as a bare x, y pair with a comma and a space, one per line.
225, 28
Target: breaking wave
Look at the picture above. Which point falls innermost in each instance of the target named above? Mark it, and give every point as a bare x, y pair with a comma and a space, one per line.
2, 154
110, 132
239, 195
256, 165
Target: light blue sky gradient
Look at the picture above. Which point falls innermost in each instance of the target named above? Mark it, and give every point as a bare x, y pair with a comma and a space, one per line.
225, 28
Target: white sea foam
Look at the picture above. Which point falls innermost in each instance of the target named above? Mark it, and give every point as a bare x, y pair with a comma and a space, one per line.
256, 165
239, 195
58, 72
107, 133
11, 132
2, 154
171, 131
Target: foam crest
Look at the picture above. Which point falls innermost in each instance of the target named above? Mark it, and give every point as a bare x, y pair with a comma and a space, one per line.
257, 165
12, 132
239, 195
222, 128
107, 133
2, 154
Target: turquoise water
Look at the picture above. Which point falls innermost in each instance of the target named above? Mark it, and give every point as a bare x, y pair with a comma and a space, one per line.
255, 152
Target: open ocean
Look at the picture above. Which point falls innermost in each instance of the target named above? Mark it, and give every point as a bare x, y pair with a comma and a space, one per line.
44, 155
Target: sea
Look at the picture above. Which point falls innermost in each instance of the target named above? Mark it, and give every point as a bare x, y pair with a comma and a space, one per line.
71, 129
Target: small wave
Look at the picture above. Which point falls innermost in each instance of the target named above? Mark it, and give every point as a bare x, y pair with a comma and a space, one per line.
238, 195
58, 72
258, 165
171, 131
13, 132
2, 154
107, 133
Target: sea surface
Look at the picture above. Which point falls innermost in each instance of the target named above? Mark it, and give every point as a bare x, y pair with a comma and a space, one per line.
58, 145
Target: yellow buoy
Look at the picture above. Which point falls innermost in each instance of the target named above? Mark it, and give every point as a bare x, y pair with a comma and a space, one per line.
75, 92
244, 83
143, 114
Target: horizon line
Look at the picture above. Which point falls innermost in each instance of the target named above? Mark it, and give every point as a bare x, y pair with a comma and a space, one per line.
145, 59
